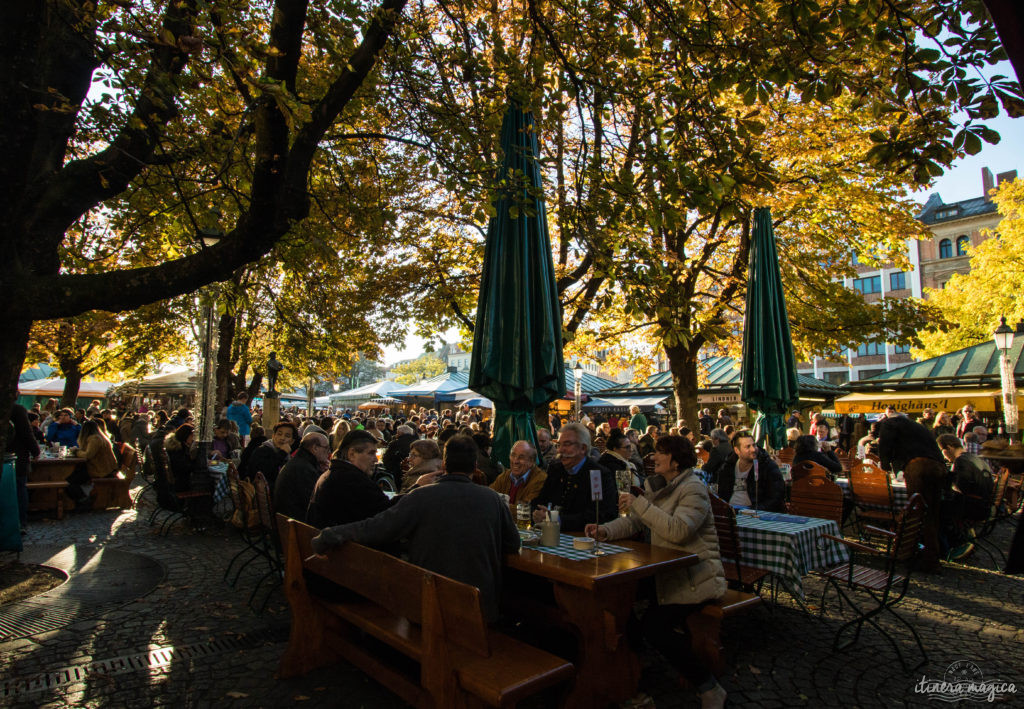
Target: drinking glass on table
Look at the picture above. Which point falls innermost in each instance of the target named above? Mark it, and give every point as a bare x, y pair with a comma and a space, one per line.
523, 515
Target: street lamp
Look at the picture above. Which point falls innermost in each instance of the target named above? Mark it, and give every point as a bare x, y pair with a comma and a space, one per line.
1003, 337
207, 386
577, 372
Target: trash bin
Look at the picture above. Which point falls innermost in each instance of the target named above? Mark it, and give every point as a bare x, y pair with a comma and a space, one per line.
10, 526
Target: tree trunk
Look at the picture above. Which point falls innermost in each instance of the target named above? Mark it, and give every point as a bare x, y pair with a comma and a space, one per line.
72, 371
226, 335
13, 346
682, 362
254, 385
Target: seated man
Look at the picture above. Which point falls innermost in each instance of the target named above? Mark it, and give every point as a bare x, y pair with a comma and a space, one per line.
484, 464
454, 527
750, 478
720, 451
568, 484
524, 479
398, 450
546, 448
966, 499
346, 492
645, 444
297, 479
64, 430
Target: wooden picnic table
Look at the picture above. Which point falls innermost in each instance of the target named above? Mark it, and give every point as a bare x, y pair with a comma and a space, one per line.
594, 597
52, 469
47, 473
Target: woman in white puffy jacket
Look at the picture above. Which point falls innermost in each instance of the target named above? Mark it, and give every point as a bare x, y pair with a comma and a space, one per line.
678, 515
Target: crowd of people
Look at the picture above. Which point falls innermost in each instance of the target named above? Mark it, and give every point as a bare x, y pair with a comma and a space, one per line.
329, 470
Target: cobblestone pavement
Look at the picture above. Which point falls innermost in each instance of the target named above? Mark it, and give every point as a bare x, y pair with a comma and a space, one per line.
780, 657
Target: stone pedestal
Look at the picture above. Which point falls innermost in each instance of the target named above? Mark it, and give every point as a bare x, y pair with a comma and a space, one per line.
271, 412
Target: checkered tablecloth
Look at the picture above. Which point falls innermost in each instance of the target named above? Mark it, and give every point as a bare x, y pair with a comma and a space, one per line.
566, 550
704, 475
789, 549
899, 492
219, 473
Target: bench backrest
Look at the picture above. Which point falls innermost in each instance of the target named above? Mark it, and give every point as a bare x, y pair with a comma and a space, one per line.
400, 587
391, 583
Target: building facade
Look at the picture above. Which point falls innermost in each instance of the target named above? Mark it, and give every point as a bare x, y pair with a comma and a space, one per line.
954, 227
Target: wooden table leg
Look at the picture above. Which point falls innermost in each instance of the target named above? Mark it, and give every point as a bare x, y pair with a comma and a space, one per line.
607, 670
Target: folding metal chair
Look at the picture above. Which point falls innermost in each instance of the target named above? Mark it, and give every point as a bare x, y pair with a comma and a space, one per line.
883, 586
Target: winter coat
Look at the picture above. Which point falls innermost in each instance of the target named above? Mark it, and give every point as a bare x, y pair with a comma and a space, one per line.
529, 491
241, 415
679, 517
99, 456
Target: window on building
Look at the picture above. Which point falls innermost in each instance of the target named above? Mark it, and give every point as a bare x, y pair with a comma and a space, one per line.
871, 284
897, 281
868, 373
962, 242
900, 349
945, 249
837, 378
870, 348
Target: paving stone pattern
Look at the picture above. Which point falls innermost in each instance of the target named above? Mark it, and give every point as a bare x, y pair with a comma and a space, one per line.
780, 657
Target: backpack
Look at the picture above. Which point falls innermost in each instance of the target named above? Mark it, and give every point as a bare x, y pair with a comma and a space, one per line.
245, 515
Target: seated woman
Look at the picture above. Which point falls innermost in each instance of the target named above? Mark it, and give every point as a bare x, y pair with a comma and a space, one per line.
100, 461
271, 455
678, 516
807, 449
424, 457
181, 457
224, 441
616, 458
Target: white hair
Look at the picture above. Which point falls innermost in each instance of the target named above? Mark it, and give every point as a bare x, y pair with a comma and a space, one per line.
581, 431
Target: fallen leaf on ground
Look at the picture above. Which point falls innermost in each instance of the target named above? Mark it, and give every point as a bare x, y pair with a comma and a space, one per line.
754, 670
300, 698
237, 695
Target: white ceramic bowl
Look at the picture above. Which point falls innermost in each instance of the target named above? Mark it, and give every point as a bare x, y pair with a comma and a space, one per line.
583, 543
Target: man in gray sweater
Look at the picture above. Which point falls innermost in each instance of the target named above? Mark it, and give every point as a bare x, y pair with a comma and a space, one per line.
454, 527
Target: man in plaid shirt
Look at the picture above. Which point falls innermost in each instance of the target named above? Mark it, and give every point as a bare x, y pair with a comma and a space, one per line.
974, 439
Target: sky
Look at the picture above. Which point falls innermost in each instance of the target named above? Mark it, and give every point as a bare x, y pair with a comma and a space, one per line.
961, 181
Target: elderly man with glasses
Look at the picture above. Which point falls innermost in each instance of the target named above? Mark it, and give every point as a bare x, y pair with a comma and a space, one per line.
295, 482
568, 483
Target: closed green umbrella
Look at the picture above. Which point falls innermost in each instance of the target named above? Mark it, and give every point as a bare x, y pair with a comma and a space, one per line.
517, 340
769, 368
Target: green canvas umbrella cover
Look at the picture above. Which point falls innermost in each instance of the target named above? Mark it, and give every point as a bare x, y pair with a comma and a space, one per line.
769, 381
517, 340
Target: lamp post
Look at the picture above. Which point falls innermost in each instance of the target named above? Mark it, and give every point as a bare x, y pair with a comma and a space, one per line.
207, 413
577, 372
1003, 337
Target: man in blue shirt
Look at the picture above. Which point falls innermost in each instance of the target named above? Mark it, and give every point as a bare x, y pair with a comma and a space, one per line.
568, 484
64, 430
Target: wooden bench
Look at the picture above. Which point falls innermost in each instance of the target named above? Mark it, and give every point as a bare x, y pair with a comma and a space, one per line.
434, 621
53, 499
705, 627
112, 491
